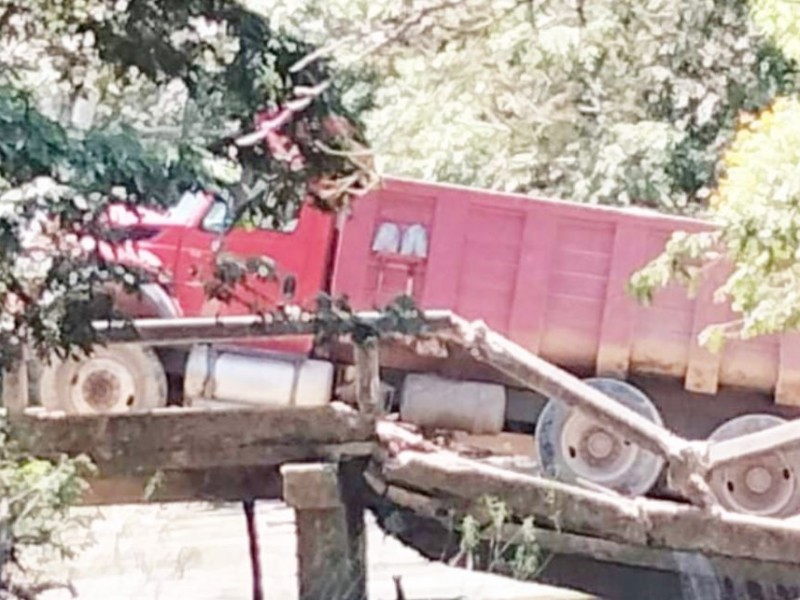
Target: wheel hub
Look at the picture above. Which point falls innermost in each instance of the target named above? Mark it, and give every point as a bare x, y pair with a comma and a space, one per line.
100, 389
761, 486
594, 452
758, 479
103, 385
600, 444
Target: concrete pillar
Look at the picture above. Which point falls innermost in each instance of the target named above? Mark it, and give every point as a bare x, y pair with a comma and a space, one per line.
331, 542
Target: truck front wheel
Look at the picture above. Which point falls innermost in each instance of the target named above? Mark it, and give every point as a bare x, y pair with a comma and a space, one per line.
116, 379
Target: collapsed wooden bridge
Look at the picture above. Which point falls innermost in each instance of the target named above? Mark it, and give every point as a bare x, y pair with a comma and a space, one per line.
331, 463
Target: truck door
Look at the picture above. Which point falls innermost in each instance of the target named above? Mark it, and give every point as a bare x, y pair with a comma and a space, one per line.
300, 255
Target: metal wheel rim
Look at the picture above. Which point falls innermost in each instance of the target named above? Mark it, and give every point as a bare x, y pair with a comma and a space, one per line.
102, 384
583, 442
644, 470
762, 487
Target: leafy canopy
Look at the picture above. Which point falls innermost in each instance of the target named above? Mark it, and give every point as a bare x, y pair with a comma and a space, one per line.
755, 212
613, 102
137, 101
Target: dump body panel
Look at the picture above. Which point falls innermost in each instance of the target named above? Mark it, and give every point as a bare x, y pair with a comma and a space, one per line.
551, 276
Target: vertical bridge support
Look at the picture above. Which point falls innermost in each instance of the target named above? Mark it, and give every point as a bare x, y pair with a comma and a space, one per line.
368, 377
15, 387
331, 542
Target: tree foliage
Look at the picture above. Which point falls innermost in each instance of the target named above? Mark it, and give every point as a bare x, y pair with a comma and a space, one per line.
756, 210
136, 101
779, 20
605, 101
655, 103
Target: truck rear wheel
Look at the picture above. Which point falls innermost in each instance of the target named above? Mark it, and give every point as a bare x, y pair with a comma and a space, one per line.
765, 485
111, 380
574, 447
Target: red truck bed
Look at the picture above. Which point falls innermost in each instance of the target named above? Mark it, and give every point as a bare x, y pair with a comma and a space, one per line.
551, 275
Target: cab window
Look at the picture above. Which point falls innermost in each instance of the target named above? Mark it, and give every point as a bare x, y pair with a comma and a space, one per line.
217, 218
285, 222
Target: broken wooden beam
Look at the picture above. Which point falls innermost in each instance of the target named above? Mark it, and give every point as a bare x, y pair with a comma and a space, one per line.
644, 522
689, 462
784, 437
543, 377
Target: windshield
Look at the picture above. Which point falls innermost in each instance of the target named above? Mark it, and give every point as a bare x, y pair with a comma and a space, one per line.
186, 207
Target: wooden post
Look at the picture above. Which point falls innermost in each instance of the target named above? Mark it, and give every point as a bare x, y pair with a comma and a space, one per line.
368, 379
15, 386
331, 543
249, 507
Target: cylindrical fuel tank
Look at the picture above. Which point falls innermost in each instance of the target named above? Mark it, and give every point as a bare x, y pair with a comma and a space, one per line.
255, 378
433, 401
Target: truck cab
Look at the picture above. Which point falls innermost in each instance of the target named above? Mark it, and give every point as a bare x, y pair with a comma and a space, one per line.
181, 247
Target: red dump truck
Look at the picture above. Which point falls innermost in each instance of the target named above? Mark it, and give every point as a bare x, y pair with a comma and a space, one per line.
548, 274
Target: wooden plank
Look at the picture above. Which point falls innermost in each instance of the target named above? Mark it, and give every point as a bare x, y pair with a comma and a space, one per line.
191, 330
643, 522
784, 437
543, 377
703, 366
525, 322
787, 388
178, 438
536, 267
445, 254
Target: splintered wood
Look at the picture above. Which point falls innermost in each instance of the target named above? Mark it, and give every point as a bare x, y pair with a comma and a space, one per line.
425, 472
689, 463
